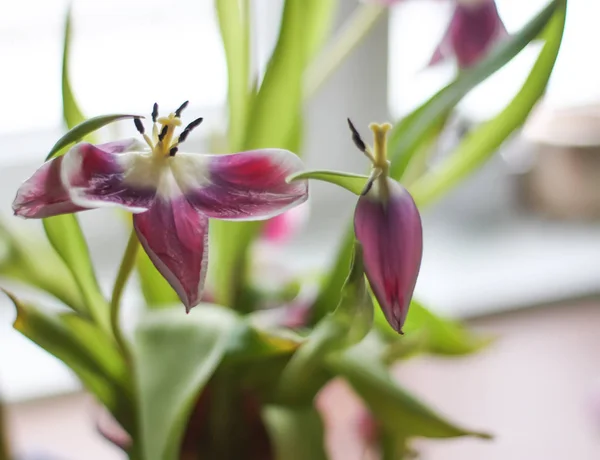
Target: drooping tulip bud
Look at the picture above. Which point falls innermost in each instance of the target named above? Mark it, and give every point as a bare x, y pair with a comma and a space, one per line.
474, 29
388, 225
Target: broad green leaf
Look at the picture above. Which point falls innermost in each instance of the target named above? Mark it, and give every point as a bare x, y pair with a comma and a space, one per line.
425, 332
399, 412
86, 350
479, 145
234, 22
346, 326
275, 109
28, 260
72, 114
411, 134
354, 183
175, 355
66, 237
278, 102
64, 232
296, 432
416, 128
157, 292
83, 129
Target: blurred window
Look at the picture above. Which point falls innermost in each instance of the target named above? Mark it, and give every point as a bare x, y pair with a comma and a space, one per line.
575, 78
125, 55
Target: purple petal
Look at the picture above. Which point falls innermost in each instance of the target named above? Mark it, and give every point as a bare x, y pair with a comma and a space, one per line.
43, 194
474, 29
392, 240
241, 186
175, 237
96, 177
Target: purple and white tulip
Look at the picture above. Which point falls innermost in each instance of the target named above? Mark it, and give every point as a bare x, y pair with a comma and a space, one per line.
474, 29
170, 193
388, 226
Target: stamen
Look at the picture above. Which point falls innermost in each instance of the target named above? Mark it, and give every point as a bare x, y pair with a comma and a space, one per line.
138, 125
186, 132
375, 174
154, 112
173, 151
360, 144
163, 133
181, 108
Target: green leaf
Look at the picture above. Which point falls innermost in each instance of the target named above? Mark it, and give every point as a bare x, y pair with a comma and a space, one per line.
296, 432
417, 127
85, 349
234, 22
399, 412
275, 110
354, 183
425, 332
31, 261
72, 114
346, 326
85, 128
479, 145
175, 355
157, 292
66, 237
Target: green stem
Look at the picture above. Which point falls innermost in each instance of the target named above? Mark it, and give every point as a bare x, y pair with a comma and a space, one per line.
3, 440
331, 57
125, 270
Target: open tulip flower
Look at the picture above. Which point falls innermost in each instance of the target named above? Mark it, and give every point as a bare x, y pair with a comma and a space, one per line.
388, 226
171, 194
474, 28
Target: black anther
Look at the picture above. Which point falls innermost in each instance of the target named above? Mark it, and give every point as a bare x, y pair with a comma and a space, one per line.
163, 133
173, 151
367, 188
181, 108
185, 133
138, 125
360, 144
154, 112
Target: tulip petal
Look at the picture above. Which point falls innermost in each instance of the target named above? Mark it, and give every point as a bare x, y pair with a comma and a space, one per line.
175, 237
241, 186
392, 238
43, 194
113, 174
473, 30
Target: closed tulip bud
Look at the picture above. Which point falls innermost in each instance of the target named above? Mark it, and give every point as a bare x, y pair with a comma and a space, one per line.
388, 226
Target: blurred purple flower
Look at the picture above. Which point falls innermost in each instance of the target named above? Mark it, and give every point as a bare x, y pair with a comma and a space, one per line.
281, 228
172, 194
388, 226
474, 29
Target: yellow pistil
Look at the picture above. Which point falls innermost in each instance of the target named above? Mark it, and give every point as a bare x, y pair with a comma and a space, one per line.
162, 147
380, 156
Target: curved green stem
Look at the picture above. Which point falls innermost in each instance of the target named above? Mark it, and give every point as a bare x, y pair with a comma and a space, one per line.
125, 270
351, 34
